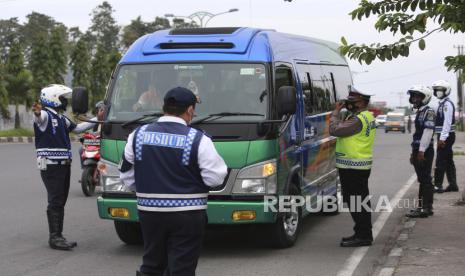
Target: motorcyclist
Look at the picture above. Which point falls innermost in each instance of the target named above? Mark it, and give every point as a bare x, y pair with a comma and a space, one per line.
99, 107
422, 149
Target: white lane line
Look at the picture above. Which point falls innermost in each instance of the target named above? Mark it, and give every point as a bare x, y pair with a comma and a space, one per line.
357, 255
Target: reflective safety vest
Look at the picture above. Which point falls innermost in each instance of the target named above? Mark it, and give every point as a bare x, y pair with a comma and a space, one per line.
356, 151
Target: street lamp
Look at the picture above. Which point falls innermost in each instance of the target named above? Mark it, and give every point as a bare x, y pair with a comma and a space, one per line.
201, 15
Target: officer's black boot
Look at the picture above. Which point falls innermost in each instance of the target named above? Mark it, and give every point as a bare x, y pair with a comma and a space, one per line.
452, 179
438, 180
420, 213
55, 224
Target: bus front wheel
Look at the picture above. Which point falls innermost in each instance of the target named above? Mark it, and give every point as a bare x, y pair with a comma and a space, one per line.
285, 230
129, 232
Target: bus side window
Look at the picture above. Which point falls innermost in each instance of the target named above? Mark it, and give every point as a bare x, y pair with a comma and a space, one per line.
306, 84
283, 77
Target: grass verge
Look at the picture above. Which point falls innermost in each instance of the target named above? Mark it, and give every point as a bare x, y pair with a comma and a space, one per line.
17, 132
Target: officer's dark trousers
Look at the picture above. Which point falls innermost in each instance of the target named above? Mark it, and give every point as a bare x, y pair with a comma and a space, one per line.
172, 241
354, 183
445, 163
56, 179
423, 170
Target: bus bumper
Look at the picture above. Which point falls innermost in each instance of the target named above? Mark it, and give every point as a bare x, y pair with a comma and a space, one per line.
219, 211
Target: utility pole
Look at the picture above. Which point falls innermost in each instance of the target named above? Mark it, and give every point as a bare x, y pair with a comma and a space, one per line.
460, 90
401, 95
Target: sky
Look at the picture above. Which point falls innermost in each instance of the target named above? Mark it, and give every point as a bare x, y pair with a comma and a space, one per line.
324, 19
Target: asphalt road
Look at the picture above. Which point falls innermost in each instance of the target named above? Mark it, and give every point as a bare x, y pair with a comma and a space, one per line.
227, 251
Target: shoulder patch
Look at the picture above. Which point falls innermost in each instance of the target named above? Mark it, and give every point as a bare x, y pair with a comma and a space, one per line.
430, 115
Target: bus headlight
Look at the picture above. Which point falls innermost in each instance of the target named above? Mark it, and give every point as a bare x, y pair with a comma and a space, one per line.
110, 180
257, 179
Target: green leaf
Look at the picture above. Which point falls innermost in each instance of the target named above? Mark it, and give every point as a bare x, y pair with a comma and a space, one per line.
344, 41
388, 54
421, 44
422, 5
414, 5
395, 52
429, 4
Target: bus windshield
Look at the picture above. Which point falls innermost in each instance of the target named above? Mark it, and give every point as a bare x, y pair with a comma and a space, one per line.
220, 88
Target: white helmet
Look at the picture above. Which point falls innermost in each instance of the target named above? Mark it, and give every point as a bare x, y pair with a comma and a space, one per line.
441, 89
55, 95
423, 90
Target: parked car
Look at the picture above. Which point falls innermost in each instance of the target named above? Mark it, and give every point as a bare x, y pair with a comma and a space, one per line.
380, 120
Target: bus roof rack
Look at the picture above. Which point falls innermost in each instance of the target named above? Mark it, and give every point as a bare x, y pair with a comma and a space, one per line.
203, 31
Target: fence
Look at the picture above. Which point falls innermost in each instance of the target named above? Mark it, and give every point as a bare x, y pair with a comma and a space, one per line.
25, 117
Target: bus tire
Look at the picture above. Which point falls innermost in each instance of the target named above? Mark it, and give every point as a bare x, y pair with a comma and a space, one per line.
285, 230
129, 232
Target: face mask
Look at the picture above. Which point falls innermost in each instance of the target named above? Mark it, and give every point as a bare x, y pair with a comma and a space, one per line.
64, 103
351, 106
440, 94
191, 115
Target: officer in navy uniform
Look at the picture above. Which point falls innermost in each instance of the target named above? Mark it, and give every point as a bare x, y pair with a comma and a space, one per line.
422, 149
172, 167
445, 130
53, 146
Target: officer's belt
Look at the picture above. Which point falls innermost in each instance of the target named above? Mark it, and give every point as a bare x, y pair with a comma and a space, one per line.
59, 162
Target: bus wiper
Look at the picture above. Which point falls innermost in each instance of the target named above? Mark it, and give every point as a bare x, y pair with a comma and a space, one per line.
215, 116
141, 118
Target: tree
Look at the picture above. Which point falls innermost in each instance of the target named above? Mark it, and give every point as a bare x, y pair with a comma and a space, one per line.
58, 55
74, 35
179, 23
3, 94
37, 25
409, 18
9, 31
40, 64
138, 28
133, 31
80, 64
99, 75
19, 79
113, 59
104, 27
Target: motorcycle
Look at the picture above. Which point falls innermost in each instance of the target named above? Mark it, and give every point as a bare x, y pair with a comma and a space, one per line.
90, 156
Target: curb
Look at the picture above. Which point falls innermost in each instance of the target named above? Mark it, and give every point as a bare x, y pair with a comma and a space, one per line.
26, 139
393, 259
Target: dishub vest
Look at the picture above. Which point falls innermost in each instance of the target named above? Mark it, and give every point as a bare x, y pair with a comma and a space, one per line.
166, 168
53, 143
440, 116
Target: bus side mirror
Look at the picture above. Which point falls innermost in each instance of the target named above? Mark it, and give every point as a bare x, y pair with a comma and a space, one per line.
80, 100
287, 100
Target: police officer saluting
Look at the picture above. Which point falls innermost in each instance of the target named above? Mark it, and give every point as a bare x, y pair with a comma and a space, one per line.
172, 167
354, 157
422, 149
53, 146
445, 129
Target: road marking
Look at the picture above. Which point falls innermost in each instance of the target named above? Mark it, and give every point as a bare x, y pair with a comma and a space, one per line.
409, 224
387, 271
357, 255
402, 237
396, 252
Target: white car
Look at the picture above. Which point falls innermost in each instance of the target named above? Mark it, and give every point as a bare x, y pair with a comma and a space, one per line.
380, 120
